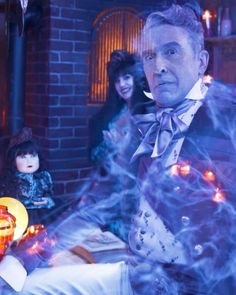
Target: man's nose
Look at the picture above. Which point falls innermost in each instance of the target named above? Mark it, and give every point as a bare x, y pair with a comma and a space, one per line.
160, 66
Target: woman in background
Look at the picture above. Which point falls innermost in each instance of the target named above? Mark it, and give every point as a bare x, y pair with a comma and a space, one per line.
112, 128
114, 138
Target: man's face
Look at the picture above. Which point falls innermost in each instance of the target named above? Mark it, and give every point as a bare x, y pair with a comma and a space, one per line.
124, 85
170, 64
28, 163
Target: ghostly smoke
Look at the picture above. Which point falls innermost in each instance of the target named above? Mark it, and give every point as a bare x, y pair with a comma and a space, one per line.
196, 201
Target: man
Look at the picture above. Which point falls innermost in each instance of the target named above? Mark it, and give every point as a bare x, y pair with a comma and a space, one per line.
185, 212
169, 230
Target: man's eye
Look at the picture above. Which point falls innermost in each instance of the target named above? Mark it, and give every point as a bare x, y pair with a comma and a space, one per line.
171, 51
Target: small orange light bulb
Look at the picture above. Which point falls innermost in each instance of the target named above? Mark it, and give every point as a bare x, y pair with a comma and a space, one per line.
209, 176
219, 196
184, 169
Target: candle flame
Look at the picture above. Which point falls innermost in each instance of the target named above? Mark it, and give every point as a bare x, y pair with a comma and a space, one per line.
206, 15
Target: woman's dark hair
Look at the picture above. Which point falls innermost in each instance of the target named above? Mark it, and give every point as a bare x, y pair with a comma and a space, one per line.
27, 147
121, 63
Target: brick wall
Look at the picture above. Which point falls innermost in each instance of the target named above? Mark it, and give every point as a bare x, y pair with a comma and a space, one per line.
57, 87
57, 90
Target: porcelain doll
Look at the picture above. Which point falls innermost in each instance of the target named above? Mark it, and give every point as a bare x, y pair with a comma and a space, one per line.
25, 179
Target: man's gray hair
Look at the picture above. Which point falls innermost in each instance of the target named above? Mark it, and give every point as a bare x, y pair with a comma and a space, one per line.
180, 16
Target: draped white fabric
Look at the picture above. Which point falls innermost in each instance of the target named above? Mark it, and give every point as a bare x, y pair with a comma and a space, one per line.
87, 279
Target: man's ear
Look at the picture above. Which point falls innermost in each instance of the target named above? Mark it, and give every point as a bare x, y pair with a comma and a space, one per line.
203, 61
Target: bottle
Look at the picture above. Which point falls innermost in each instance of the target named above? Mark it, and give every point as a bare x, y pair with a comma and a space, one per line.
226, 23
219, 17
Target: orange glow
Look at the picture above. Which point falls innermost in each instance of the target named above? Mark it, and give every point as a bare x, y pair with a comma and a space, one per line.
206, 15
31, 232
41, 246
219, 196
18, 210
207, 19
184, 169
209, 176
174, 170
7, 226
207, 79
40, 242
35, 248
180, 169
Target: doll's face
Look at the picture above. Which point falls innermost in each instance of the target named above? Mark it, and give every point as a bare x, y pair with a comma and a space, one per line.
28, 163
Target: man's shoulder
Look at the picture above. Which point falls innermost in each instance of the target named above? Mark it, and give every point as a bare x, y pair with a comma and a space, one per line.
210, 133
217, 115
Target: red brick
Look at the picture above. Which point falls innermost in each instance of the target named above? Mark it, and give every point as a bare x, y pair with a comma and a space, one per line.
70, 143
72, 121
72, 78
73, 57
61, 67
73, 186
60, 89
61, 45
65, 175
61, 23
59, 132
68, 163
74, 35
58, 188
60, 111
63, 3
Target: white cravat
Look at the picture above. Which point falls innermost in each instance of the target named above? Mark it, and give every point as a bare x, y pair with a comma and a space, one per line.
197, 93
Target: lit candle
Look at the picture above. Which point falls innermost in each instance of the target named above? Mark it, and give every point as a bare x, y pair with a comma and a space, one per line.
207, 20
206, 17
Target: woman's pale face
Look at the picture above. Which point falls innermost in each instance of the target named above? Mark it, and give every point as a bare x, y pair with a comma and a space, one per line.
124, 85
28, 163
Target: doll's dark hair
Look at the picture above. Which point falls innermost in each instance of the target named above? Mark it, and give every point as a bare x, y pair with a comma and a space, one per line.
27, 147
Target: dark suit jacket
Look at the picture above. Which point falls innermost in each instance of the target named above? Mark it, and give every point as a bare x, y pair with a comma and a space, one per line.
210, 235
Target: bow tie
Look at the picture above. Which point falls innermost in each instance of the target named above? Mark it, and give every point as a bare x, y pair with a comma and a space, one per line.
158, 129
